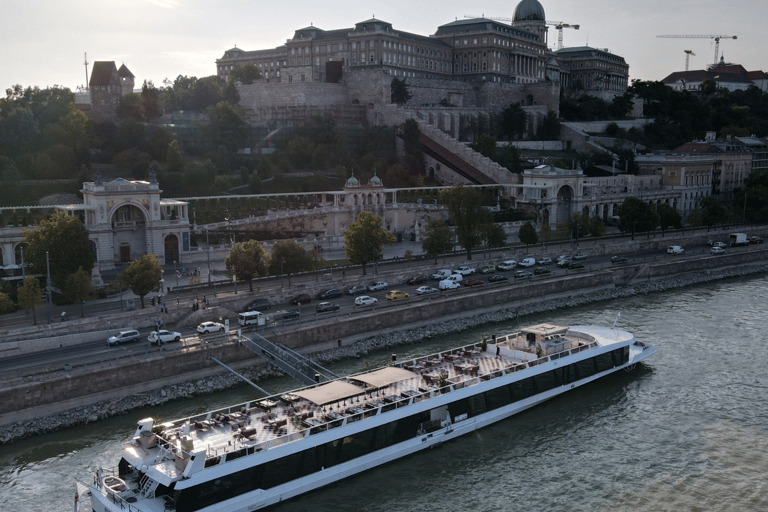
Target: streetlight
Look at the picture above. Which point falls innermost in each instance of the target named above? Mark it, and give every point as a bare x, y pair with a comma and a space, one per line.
48, 286
282, 260
162, 293
177, 283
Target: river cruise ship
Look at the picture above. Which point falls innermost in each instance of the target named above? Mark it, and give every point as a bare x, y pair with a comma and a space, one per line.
255, 454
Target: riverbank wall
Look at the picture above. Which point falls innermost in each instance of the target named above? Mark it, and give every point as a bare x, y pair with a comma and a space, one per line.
54, 415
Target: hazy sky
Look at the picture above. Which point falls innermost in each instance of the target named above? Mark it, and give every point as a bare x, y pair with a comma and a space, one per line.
43, 41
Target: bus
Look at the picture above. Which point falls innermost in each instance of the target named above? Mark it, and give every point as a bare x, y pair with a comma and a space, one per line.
251, 318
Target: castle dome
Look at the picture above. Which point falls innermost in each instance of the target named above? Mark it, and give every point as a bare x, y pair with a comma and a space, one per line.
352, 182
375, 181
529, 10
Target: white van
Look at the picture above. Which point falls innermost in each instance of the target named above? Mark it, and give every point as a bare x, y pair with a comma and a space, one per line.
251, 318
527, 262
675, 249
441, 274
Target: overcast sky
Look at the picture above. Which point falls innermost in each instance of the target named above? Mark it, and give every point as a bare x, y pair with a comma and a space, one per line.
43, 41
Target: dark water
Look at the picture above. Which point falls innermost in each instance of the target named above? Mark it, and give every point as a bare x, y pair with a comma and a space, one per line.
686, 431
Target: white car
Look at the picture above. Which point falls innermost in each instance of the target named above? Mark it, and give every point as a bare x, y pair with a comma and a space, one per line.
163, 336
449, 284
717, 250
365, 300
210, 327
527, 262
124, 337
545, 261
376, 285
425, 290
675, 249
464, 270
507, 265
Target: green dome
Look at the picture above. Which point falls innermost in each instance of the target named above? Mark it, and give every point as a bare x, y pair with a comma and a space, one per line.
376, 181
529, 10
352, 182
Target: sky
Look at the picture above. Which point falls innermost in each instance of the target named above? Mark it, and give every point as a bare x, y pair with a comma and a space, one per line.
43, 42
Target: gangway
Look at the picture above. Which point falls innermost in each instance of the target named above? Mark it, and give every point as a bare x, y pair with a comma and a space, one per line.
288, 361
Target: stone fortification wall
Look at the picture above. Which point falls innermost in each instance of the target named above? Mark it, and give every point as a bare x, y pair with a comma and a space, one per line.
298, 94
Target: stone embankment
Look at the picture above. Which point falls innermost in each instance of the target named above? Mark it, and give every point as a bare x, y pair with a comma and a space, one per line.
381, 341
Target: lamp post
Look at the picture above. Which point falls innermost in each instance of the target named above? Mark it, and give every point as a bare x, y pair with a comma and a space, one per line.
162, 294
177, 283
282, 260
48, 286
228, 218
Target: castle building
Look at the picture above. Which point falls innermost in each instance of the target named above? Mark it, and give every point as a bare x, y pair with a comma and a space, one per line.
471, 50
106, 86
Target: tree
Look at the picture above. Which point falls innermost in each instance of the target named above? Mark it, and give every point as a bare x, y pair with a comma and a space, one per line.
494, 235
467, 213
227, 126
142, 276
130, 106
485, 145
550, 127
150, 101
414, 152
247, 260
514, 121
668, 217
364, 239
288, 257
695, 219
596, 226
527, 234
399, 92
78, 289
245, 74
65, 239
173, 160
578, 225
438, 238
29, 295
637, 215
713, 212
6, 304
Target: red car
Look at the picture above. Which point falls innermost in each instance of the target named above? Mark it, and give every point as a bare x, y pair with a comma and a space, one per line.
302, 298
473, 282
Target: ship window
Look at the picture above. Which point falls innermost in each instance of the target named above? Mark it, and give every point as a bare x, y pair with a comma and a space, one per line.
545, 382
497, 398
523, 389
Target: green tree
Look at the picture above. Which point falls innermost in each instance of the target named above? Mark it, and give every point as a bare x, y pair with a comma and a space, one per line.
173, 160
150, 101
713, 212
637, 215
668, 217
514, 121
227, 126
596, 226
545, 233
130, 106
6, 304
65, 240
247, 260
438, 238
494, 235
78, 288
578, 225
245, 74
142, 276
365, 238
414, 151
550, 127
695, 219
485, 145
29, 295
399, 92
467, 213
527, 234
288, 257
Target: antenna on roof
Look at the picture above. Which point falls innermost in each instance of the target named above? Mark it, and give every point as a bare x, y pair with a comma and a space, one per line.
617, 319
86, 69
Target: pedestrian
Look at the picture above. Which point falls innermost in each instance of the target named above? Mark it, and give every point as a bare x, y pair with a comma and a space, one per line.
205, 302
498, 352
63, 316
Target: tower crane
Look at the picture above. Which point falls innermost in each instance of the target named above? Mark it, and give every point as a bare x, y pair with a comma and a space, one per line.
559, 25
716, 38
688, 54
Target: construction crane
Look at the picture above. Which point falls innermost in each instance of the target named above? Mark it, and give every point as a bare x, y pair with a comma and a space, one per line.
716, 38
688, 54
559, 25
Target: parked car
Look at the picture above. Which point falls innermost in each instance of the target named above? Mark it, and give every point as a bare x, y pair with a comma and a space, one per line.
448, 284
397, 295
579, 256
285, 314
675, 249
163, 336
207, 327
441, 274
506, 265
473, 282
542, 272
327, 306
376, 286
618, 259
487, 269
302, 298
720, 244
575, 266
124, 337
717, 250
527, 262
564, 263
523, 273
258, 305
425, 290
365, 300
545, 261
358, 288
330, 294
464, 270
495, 278
755, 239
417, 280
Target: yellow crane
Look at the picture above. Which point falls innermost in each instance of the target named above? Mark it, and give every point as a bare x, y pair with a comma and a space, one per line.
716, 38
559, 25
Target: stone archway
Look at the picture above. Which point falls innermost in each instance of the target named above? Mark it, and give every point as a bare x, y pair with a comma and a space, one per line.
171, 246
564, 198
17, 253
129, 222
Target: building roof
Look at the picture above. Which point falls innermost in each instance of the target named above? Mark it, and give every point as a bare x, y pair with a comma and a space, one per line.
102, 73
330, 392
529, 10
385, 377
124, 71
701, 75
480, 24
585, 51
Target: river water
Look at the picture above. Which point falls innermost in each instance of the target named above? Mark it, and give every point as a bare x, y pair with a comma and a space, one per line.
688, 430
